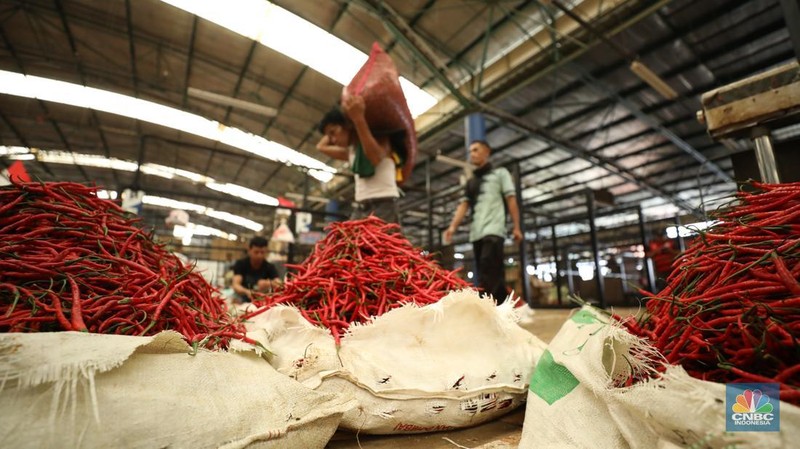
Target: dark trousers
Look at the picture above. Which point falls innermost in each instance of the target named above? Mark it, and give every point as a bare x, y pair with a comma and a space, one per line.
490, 268
383, 208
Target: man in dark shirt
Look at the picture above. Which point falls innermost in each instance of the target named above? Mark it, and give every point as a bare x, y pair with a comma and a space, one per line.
254, 273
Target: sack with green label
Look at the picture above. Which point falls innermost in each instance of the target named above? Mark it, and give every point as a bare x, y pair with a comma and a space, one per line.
578, 397
455, 363
73, 389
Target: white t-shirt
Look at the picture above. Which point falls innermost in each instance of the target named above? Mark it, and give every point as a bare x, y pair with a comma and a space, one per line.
380, 185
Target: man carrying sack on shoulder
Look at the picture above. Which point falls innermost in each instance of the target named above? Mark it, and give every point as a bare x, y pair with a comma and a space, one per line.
346, 136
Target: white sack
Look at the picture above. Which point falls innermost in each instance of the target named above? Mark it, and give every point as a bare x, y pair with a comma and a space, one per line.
574, 404
459, 362
71, 389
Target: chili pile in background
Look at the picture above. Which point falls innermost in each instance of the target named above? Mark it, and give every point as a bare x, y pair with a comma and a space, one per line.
70, 261
362, 268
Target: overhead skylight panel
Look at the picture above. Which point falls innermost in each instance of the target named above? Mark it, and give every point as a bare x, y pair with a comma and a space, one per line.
296, 38
162, 171
12, 83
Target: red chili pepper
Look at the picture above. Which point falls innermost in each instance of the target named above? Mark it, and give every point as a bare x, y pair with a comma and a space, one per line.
731, 309
67, 252
361, 269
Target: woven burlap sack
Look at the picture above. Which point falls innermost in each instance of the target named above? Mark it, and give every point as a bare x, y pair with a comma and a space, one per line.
70, 390
378, 82
459, 362
575, 400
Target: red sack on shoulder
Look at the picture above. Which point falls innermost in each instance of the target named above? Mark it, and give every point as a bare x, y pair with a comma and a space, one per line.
387, 111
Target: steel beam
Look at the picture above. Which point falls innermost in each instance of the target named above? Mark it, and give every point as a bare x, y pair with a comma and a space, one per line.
395, 23
558, 278
429, 196
131, 47
188, 72
509, 66
648, 266
523, 249
598, 273
604, 89
599, 161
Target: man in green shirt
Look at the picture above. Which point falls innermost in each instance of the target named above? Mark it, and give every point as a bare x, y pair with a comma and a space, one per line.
485, 194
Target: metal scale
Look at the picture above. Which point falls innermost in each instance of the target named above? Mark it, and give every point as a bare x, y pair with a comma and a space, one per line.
752, 108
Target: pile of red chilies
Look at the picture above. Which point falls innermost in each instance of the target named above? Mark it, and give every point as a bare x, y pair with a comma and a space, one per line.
731, 309
362, 268
70, 261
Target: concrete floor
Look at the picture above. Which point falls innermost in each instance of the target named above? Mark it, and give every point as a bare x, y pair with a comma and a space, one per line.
503, 433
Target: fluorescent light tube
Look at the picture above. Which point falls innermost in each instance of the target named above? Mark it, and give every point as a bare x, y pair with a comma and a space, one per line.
12, 83
233, 102
655, 81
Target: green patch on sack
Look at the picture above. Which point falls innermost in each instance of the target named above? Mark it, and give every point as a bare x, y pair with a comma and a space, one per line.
551, 381
584, 316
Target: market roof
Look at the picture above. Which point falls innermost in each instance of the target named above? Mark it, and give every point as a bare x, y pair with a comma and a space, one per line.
559, 97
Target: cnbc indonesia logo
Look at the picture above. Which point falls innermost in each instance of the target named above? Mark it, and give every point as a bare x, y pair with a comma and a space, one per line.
750, 408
